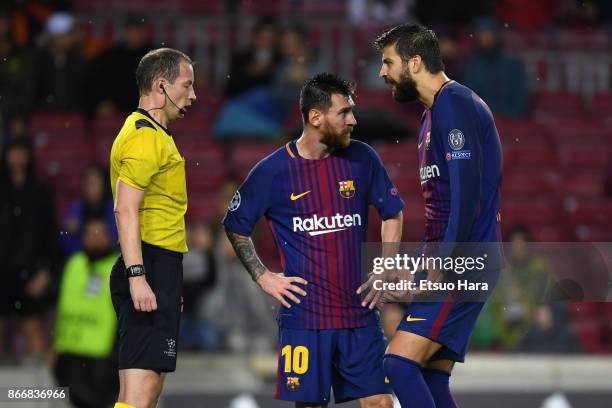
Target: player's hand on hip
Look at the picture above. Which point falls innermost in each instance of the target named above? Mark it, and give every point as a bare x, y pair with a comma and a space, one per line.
282, 287
142, 295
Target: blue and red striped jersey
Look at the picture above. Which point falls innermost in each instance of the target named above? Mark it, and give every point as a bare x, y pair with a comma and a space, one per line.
460, 166
317, 211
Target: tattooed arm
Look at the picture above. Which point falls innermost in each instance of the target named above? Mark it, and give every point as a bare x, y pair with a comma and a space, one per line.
276, 285
245, 250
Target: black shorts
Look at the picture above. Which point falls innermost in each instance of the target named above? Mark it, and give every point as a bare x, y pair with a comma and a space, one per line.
149, 340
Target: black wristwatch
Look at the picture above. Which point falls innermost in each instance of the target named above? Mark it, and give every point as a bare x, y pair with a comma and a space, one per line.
134, 270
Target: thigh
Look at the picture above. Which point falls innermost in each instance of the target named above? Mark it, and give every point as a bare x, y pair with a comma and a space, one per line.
449, 324
358, 370
304, 366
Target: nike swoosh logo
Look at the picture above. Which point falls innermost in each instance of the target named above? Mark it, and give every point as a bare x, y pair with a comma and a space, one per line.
297, 197
315, 233
414, 319
424, 181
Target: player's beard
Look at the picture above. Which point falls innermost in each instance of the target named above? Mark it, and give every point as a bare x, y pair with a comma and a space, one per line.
335, 140
405, 90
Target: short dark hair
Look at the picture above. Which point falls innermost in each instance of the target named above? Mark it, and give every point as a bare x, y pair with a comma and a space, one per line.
413, 39
317, 92
162, 62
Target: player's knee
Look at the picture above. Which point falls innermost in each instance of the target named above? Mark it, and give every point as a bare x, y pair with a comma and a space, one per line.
377, 401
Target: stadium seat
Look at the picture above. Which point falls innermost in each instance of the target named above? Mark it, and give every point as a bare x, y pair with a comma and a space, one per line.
517, 130
581, 154
558, 104
542, 209
590, 211
589, 333
57, 124
583, 40
587, 182
529, 152
202, 206
533, 179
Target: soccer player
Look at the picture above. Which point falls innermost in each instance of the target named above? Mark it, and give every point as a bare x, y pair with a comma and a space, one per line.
315, 193
460, 169
148, 183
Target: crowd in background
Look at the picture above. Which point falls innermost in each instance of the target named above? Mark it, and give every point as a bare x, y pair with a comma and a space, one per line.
48, 61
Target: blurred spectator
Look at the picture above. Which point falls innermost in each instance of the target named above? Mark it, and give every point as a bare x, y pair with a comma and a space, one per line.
119, 93
237, 307
255, 65
526, 14
96, 202
387, 12
298, 63
584, 14
59, 66
199, 275
86, 326
16, 87
497, 77
430, 12
28, 245
450, 51
522, 286
549, 331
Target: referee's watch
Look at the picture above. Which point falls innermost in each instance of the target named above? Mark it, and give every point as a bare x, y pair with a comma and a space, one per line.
134, 270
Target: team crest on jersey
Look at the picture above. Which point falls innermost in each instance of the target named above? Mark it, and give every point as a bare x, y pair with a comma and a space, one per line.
293, 383
427, 140
346, 188
456, 140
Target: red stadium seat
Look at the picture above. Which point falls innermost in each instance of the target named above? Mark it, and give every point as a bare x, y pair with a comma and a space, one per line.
593, 232
246, 154
583, 182
584, 154
202, 206
583, 40
559, 104
521, 40
518, 130
534, 179
589, 333
57, 124
551, 232
529, 152
542, 209
590, 211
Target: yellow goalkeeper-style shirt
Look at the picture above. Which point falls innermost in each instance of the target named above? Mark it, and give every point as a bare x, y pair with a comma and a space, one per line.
145, 157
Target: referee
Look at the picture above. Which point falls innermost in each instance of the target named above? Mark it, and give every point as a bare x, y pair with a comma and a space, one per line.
148, 182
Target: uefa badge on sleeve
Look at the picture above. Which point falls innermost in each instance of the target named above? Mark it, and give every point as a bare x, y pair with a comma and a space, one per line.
456, 140
235, 203
346, 188
293, 383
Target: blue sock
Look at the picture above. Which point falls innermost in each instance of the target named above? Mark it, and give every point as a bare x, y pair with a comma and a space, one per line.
407, 382
438, 383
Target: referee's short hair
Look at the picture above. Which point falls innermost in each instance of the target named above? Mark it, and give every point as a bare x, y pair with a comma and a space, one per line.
410, 40
317, 92
162, 62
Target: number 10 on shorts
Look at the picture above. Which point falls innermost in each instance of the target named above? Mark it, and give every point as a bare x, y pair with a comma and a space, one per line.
296, 360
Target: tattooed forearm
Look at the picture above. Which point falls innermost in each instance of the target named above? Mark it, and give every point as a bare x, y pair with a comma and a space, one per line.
246, 253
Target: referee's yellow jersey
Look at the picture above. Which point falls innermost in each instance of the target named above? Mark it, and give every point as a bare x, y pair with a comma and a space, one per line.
145, 157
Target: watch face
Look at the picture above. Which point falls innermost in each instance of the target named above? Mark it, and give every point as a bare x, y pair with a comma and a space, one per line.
135, 270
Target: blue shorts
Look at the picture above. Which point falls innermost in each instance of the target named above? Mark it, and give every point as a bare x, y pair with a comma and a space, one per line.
311, 362
449, 322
